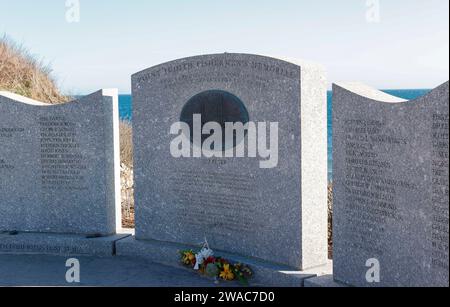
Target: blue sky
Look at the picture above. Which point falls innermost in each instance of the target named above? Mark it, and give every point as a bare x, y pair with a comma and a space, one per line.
407, 48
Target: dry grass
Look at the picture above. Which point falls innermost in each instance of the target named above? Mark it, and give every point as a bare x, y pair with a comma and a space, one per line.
330, 221
126, 143
22, 74
126, 157
127, 192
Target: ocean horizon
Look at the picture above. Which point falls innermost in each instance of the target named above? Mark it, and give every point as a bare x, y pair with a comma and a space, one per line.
126, 113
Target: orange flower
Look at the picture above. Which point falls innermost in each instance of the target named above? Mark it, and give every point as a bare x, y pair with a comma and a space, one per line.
227, 273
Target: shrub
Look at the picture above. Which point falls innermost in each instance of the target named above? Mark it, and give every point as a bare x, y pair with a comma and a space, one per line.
22, 74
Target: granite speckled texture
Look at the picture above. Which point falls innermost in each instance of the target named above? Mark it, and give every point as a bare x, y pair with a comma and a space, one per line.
279, 214
59, 165
96, 271
58, 244
391, 186
326, 281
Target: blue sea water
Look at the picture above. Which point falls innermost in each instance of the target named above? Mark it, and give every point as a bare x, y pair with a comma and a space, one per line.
125, 107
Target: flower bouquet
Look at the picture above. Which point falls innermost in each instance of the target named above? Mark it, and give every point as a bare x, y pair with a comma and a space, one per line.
216, 267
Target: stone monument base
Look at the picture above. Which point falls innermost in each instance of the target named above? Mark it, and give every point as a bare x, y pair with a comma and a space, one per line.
264, 273
58, 244
326, 281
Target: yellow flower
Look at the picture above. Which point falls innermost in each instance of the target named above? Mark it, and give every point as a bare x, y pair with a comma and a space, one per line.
226, 274
188, 258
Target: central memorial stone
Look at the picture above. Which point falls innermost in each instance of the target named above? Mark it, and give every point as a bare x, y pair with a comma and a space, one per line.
276, 214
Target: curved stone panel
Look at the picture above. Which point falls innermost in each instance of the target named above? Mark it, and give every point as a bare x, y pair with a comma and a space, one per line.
59, 170
390, 183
